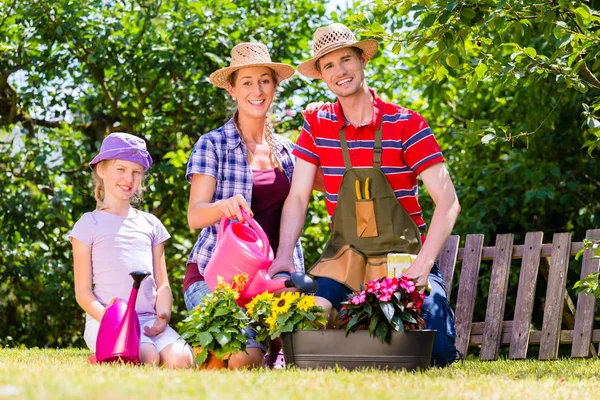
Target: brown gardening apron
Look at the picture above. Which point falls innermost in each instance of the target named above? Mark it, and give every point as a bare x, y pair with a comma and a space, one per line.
368, 223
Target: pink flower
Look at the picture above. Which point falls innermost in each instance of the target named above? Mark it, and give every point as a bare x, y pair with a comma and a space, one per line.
390, 284
373, 286
407, 284
359, 298
385, 296
290, 112
417, 298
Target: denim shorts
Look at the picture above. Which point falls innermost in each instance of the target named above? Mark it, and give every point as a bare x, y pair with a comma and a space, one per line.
193, 297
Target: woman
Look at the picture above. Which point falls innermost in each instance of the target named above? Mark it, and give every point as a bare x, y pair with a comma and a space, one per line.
240, 164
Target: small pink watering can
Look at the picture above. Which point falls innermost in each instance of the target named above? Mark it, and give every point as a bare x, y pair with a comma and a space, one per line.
119, 332
242, 249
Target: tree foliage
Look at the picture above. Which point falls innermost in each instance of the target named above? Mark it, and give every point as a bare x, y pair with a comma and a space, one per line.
72, 71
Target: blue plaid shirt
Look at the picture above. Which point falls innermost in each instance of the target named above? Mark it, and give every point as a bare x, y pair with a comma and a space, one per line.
222, 155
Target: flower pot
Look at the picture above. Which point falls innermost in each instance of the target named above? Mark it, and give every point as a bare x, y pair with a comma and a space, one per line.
327, 348
211, 362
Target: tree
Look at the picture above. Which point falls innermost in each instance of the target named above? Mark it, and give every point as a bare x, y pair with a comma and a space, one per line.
71, 72
499, 46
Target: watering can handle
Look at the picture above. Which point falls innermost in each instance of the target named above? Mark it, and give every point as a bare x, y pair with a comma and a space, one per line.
254, 225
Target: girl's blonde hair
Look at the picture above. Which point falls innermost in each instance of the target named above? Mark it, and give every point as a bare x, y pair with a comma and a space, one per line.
99, 187
269, 132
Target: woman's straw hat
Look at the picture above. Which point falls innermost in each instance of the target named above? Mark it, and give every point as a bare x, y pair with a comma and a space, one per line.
246, 55
333, 37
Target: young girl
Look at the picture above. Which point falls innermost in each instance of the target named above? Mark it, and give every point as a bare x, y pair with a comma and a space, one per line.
116, 239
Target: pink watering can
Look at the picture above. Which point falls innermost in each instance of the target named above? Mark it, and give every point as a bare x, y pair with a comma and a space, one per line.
242, 249
119, 333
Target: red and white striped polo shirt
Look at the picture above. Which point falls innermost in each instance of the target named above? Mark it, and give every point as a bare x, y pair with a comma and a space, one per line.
408, 148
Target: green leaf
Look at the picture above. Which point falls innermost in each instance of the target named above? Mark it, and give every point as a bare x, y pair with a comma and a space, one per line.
222, 338
530, 51
388, 310
382, 332
593, 123
472, 85
488, 138
480, 70
373, 324
428, 21
584, 12
204, 338
555, 171
441, 72
221, 311
468, 13
201, 357
564, 40
452, 60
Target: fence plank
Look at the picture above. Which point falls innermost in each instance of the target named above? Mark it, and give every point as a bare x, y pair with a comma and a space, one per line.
465, 302
497, 297
488, 252
525, 295
566, 336
584, 317
448, 261
555, 293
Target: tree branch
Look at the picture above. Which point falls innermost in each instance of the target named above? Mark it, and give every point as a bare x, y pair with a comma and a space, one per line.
10, 8
585, 71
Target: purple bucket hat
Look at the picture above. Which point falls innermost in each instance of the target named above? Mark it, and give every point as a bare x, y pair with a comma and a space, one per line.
123, 146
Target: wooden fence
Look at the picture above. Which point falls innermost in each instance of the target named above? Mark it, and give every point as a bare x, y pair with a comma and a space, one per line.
538, 260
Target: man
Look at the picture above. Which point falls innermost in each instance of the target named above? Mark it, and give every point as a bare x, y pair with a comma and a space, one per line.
370, 151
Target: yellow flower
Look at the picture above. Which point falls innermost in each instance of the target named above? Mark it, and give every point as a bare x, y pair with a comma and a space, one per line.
239, 281
256, 301
222, 284
272, 320
305, 303
282, 304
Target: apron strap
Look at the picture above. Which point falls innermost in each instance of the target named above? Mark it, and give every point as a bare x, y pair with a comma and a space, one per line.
377, 149
345, 153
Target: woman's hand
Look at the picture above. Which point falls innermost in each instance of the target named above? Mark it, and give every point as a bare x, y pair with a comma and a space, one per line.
281, 264
232, 207
311, 108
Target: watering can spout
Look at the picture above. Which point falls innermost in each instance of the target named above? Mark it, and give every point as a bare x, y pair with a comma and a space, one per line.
138, 277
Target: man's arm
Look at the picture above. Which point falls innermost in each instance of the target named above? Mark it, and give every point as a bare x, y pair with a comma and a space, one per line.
294, 215
438, 183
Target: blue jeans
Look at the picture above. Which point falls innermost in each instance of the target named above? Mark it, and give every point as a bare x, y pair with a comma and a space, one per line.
436, 312
193, 297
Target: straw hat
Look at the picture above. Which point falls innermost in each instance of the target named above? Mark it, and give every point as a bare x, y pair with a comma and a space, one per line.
333, 37
246, 55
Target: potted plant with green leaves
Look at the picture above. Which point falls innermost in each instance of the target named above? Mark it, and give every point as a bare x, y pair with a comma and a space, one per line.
215, 329
381, 328
272, 316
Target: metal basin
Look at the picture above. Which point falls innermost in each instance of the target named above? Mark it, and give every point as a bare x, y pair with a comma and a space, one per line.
408, 350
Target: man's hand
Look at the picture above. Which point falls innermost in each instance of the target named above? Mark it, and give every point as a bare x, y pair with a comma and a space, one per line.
160, 323
422, 273
281, 264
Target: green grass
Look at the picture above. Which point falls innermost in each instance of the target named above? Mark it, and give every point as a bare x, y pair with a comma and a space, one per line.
64, 374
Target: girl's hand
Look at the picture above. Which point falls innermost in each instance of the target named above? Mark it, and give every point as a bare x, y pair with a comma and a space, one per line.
160, 323
311, 108
231, 207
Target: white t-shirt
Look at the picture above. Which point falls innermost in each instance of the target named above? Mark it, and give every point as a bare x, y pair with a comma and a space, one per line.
121, 245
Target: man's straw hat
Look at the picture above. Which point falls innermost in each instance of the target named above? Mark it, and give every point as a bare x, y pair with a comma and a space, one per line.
333, 37
246, 55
